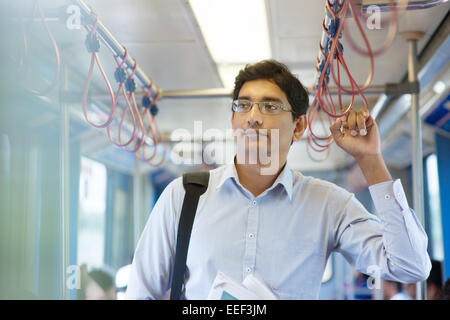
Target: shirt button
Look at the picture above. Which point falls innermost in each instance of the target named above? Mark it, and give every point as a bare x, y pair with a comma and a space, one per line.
387, 197
254, 202
248, 269
251, 235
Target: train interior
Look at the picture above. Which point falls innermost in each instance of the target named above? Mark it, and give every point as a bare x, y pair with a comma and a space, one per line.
72, 202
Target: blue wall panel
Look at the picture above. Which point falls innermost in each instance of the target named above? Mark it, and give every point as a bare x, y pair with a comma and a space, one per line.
443, 158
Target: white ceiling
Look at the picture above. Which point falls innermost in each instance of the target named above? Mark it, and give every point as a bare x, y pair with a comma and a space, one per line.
163, 36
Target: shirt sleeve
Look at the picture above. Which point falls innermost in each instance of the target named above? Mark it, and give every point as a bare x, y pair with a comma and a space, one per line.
153, 260
392, 245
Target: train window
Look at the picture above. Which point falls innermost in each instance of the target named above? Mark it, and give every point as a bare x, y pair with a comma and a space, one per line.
435, 208
91, 215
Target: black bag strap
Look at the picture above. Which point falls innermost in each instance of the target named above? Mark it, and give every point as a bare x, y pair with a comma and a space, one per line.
195, 184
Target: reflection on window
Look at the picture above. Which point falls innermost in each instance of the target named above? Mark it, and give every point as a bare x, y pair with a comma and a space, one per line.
435, 208
91, 215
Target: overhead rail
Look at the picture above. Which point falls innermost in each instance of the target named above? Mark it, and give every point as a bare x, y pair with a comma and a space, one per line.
88, 19
331, 56
145, 133
330, 63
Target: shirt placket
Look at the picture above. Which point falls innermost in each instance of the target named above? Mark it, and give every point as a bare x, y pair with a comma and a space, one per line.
250, 238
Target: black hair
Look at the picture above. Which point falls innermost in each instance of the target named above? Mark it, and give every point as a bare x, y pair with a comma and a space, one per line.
283, 78
103, 278
445, 294
435, 276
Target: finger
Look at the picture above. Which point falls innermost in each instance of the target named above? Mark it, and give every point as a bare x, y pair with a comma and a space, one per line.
352, 126
344, 120
335, 129
345, 129
369, 122
365, 112
361, 122
344, 124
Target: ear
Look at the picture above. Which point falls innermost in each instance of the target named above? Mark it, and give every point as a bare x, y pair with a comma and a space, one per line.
300, 127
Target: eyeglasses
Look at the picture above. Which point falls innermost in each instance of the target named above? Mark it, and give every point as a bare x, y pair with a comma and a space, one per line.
266, 107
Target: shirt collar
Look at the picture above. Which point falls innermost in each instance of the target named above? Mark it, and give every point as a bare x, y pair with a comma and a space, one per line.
285, 178
229, 172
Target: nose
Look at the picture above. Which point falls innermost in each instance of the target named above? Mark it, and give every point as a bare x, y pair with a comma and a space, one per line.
254, 117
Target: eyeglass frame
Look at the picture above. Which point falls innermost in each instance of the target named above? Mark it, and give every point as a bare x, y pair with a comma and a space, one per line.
260, 104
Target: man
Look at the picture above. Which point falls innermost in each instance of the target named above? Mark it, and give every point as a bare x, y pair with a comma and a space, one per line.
281, 225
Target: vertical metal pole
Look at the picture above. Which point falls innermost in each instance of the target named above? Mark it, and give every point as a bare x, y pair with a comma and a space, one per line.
417, 154
64, 182
137, 202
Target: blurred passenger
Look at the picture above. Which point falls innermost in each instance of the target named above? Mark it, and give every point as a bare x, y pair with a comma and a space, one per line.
434, 283
361, 291
393, 290
445, 294
97, 284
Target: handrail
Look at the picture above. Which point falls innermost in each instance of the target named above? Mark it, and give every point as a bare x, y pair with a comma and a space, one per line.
88, 19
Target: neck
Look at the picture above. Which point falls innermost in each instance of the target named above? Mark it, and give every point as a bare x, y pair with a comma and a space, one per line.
251, 178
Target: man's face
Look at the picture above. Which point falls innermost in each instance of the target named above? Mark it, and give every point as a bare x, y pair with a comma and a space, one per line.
281, 129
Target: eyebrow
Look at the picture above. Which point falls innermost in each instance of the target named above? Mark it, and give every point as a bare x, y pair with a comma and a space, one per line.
263, 99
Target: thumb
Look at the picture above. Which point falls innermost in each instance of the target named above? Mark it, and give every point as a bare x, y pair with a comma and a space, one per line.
335, 129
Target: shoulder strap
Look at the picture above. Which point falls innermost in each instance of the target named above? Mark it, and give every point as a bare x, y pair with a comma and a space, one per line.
195, 184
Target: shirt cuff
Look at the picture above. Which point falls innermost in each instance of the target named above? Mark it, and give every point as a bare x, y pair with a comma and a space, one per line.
389, 195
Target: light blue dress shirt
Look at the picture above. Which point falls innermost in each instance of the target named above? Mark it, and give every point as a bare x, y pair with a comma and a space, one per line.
285, 236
